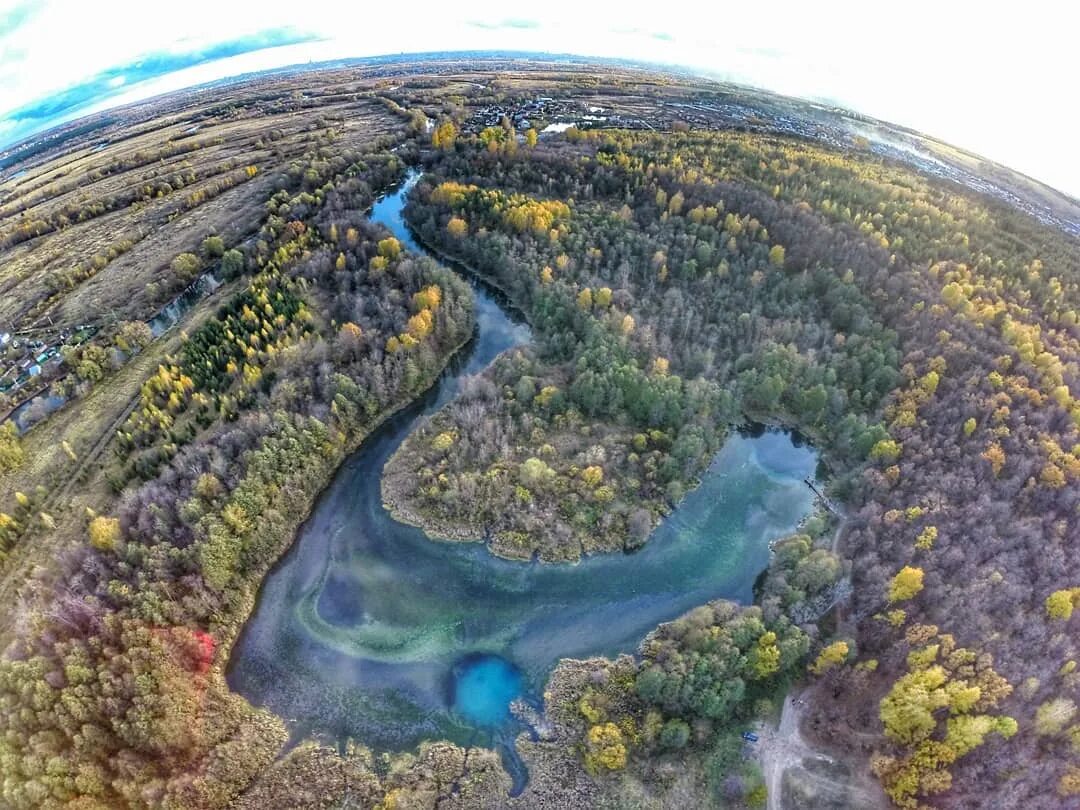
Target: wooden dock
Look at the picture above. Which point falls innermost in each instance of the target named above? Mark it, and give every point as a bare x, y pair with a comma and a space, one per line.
821, 496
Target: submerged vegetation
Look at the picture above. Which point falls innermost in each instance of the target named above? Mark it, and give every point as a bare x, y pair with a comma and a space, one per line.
678, 283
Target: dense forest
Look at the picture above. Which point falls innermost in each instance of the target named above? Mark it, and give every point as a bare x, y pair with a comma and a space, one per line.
113, 694
926, 340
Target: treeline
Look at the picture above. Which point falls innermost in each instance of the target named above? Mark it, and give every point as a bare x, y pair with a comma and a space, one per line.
301, 189
215, 181
699, 682
50, 188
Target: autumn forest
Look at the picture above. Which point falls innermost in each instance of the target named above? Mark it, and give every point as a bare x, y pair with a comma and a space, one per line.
683, 281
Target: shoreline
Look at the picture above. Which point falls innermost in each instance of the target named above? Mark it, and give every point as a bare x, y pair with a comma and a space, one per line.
402, 508
470, 272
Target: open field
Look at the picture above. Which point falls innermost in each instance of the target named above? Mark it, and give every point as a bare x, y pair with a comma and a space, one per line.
188, 172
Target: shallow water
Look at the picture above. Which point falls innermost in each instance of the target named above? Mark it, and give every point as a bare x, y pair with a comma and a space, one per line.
171, 313
35, 410
368, 629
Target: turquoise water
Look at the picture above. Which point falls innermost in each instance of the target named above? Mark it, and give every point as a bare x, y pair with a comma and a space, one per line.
368, 629
483, 687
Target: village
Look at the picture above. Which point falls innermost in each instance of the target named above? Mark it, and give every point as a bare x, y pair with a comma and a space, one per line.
35, 355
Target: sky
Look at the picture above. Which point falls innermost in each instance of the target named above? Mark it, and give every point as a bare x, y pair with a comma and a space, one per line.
998, 79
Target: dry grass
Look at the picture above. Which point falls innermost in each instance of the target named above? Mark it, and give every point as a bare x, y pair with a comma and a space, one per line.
263, 132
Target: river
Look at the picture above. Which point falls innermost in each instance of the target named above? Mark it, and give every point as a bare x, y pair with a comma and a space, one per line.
368, 629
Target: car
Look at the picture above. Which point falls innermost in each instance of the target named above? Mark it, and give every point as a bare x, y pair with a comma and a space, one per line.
750, 736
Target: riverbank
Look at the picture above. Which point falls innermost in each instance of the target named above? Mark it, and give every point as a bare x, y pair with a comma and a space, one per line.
401, 509
473, 273
395, 481
318, 478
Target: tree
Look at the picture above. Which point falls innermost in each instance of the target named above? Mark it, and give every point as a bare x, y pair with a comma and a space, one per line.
428, 298
996, 456
927, 537
443, 441
765, 656
906, 584
232, 264
592, 475
776, 256
104, 532
605, 748
674, 734
89, 361
444, 136
213, 247
907, 711
350, 337
133, 336
1053, 716
457, 227
421, 324
208, 487
887, 450
531, 137
1052, 476
1069, 784
389, 248
534, 473
1060, 604
12, 454
831, 656
186, 267
585, 299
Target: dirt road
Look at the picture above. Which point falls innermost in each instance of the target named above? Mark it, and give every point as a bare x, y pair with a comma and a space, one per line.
817, 780
782, 748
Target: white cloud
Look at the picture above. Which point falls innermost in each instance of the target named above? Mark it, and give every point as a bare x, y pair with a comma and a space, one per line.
991, 78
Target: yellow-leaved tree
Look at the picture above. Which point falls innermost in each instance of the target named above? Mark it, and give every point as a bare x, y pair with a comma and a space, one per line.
11, 449
906, 584
104, 532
